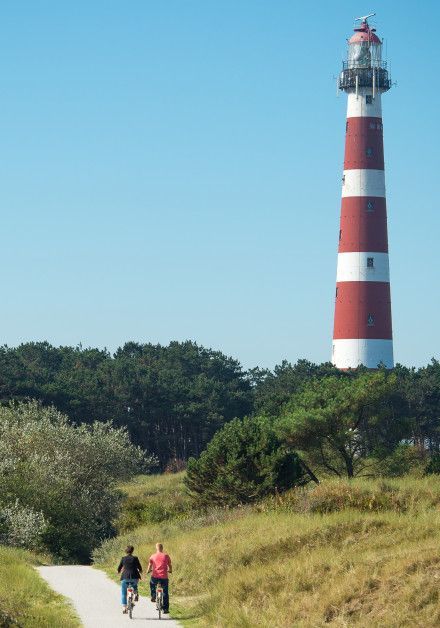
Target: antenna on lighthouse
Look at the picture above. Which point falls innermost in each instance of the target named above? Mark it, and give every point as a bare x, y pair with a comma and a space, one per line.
363, 18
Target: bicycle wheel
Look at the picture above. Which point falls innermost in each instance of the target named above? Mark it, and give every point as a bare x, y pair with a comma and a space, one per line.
130, 607
159, 604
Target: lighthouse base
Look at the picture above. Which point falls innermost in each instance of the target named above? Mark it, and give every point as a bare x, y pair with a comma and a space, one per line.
353, 352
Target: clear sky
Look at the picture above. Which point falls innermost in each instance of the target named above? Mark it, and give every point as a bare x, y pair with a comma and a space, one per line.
171, 169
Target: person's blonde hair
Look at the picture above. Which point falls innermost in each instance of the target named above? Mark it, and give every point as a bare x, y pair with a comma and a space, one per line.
159, 547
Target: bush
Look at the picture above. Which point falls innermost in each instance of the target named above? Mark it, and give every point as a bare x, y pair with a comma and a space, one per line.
403, 460
142, 512
152, 499
244, 462
21, 526
67, 473
433, 465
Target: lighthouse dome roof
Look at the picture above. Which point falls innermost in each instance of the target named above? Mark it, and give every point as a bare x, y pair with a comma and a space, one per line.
364, 33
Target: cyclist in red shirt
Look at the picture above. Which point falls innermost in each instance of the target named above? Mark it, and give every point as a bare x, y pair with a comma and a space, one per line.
160, 566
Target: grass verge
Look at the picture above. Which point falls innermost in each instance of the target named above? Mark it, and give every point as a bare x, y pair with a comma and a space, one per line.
25, 599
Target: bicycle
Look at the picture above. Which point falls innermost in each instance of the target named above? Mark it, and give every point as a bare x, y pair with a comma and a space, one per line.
159, 599
130, 600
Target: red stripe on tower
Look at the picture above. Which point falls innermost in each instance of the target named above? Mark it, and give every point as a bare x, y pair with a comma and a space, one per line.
363, 224
362, 327
364, 144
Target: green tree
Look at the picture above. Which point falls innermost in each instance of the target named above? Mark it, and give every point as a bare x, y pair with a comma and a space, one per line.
421, 388
171, 399
244, 461
274, 389
66, 473
340, 424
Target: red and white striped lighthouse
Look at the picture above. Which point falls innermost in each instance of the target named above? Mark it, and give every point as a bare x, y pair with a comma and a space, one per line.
362, 327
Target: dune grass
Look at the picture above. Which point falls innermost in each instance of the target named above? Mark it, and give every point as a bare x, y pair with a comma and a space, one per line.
152, 499
25, 599
364, 553
167, 485
406, 494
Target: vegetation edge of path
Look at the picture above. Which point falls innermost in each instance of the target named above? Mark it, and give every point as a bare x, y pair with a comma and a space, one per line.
26, 600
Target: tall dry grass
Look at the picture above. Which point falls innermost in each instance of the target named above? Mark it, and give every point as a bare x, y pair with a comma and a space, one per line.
364, 553
25, 599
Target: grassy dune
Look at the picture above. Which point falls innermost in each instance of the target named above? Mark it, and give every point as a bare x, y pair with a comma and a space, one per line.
152, 499
358, 554
25, 599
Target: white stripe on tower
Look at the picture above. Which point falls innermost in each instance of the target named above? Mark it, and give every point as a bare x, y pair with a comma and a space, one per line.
358, 108
363, 266
351, 353
363, 182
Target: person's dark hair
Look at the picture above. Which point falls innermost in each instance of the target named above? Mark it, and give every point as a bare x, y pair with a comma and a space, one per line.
129, 549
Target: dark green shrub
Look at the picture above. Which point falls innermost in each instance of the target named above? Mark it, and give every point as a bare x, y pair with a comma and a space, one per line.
403, 460
243, 462
137, 512
433, 465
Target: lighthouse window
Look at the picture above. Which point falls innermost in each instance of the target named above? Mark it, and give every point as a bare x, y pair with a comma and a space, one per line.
370, 206
370, 262
340, 234
370, 320
369, 152
373, 125
336, 295
369, 99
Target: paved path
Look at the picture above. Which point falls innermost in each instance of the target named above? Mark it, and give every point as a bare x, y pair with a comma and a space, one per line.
96, 598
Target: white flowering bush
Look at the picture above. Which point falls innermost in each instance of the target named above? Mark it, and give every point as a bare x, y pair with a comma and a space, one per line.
21, 526
64, 473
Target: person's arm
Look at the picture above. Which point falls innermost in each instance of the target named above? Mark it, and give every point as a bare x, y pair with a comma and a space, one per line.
139, 567
121, 564
150, 566
170, 567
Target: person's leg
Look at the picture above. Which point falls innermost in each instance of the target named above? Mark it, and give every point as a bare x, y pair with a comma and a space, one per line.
166, 598
153, 582
124, 584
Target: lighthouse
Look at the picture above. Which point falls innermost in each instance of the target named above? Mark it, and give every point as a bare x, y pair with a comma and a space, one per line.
362, 326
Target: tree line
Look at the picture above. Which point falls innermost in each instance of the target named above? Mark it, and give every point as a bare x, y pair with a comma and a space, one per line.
74, 422
173, 399
345, 424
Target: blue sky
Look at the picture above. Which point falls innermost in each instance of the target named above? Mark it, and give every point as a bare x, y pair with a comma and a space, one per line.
171, 169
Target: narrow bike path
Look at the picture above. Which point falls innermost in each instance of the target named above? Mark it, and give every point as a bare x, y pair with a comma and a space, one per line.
96, 598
